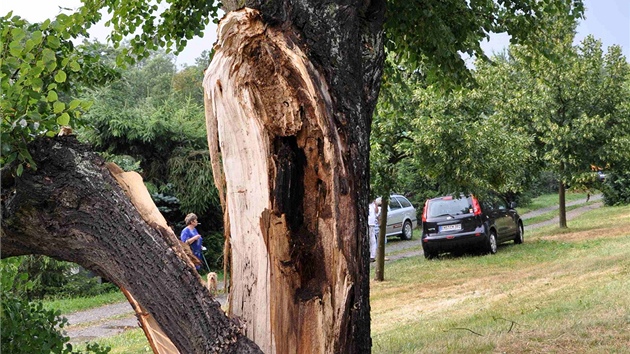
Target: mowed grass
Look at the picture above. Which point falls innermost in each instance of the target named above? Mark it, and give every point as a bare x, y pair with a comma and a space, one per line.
128, 342
67, 306
554, 213
562, 291
548, 200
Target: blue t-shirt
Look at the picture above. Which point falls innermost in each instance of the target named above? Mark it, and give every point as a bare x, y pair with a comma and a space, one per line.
195, 246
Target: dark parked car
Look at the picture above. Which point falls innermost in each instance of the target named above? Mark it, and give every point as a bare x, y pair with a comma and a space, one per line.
452, 224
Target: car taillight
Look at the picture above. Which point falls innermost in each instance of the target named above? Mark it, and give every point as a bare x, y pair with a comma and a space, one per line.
424, 212
476, 208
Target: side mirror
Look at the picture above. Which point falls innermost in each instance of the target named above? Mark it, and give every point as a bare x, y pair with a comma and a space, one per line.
512, 205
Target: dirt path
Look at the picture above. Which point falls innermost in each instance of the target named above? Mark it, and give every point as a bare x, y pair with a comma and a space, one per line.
105, 321
113, 319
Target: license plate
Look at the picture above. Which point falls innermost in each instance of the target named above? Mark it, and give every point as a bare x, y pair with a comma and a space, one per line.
454, 227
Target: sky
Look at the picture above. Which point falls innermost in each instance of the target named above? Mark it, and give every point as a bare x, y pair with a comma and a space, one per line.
607, 20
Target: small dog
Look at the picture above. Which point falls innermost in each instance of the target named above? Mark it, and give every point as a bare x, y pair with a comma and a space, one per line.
211, 284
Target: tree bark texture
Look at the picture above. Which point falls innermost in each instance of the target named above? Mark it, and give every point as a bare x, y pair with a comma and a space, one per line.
562, 204
289, 97
77, 208
379, 268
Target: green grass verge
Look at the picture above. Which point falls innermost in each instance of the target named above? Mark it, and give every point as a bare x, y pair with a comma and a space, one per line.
548, 200
563, 290
129, 342
67, 306
554, 213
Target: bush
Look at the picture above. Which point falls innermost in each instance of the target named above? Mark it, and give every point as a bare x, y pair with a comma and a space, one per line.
26, 326
48, 277
616, 188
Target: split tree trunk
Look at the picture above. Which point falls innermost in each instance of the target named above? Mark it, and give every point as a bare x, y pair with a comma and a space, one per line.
73, 208
289, 97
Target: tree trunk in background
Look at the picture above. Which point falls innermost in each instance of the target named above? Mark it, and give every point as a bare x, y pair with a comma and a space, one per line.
562, 217
289, 98
73, 208
379, 273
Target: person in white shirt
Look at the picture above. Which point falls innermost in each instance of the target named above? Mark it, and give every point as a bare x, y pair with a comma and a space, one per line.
373, 226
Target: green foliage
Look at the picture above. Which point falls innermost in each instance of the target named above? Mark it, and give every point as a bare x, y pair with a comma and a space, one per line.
29, 328
156, 27
464, 146
191, 176
26, 326
616, 189
39, 277
41, 73
187, 82
126, 162
430, 35
427, 141
214, 242
569, 106
391, 141
162, 129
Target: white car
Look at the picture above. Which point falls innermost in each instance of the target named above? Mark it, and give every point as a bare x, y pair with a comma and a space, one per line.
401, 217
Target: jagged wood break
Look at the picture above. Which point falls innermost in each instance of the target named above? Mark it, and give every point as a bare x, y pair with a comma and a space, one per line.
279, 163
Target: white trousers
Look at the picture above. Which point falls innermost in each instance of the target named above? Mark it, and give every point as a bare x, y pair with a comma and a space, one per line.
373, 241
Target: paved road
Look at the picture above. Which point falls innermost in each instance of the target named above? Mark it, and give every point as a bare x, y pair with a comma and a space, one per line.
113, 319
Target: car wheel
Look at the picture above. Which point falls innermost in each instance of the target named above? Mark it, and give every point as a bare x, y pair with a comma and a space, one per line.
518, 239
407, 231
491, 243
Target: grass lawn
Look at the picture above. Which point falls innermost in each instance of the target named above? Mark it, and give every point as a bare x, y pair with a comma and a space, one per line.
129, 342
548, 200
67, 306
554, 213
562, 291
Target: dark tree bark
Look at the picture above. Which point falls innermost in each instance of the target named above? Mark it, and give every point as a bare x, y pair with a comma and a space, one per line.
562, 210
289, 98
379, 268
73, 208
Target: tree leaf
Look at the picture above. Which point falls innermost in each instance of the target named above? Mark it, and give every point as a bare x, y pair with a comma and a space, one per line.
60, 76
74, 66
63, 119
74, 104
58, 107
52, 96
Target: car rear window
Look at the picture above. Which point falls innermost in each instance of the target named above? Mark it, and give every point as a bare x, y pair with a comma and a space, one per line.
404, 202
445, 207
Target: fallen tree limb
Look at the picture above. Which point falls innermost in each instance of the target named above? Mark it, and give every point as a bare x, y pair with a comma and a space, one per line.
72, 208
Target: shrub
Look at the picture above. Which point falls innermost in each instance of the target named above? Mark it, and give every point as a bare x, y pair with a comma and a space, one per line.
26, 326
616, 188
48, 277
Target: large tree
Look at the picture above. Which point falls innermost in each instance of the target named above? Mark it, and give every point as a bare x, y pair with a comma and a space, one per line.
571, 103
289, 99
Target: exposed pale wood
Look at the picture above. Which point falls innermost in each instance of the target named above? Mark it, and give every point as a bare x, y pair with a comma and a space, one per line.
158, 340
286, 187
